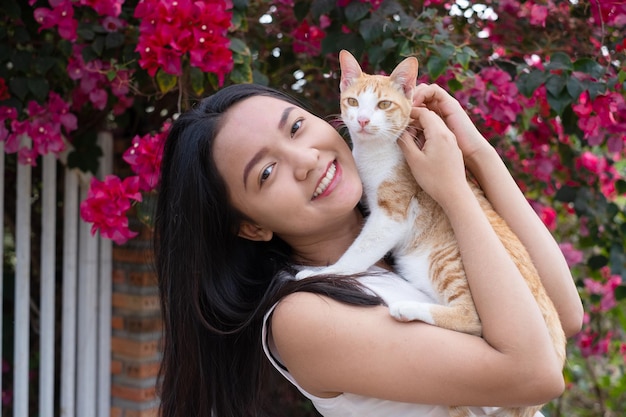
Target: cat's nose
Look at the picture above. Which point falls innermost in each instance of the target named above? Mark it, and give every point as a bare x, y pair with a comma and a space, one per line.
363, 121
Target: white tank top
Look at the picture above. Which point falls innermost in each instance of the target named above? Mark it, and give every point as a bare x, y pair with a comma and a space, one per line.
390, 287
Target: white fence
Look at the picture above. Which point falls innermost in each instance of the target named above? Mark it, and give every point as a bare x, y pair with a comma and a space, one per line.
73, 376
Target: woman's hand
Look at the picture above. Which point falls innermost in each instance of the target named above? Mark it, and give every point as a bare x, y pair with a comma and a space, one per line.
438, 166
435, 98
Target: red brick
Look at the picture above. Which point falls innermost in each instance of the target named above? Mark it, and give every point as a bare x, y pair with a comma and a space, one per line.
119, 276
116, 367
117, 323
134, 348
151, 412
132, 393
132, 255
142, 279
116, 412
136, 302
142, 370
143, 324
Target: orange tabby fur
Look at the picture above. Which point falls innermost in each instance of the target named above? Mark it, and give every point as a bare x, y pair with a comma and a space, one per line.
399, 197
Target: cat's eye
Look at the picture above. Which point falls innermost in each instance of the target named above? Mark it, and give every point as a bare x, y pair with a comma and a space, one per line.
353, 102
294, 128
267, 171
384, 104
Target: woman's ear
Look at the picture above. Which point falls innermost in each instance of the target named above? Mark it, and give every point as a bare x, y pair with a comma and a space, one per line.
254, 232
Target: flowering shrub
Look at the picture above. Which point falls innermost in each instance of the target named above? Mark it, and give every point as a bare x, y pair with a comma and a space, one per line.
544, 80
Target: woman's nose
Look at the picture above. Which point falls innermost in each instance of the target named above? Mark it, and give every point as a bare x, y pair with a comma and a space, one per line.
305, 161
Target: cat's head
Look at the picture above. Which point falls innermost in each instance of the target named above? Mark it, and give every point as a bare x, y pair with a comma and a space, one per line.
376, 107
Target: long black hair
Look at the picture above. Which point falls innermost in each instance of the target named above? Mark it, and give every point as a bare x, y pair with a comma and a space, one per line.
215, 286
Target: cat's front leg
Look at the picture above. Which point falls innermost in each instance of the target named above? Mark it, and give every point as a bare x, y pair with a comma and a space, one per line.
379, 235
461, 318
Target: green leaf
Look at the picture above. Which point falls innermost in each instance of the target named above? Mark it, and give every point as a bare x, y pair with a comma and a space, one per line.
196, 77
89, 54
335, 42
21, 61
260, 78
620, 186
39, 87
555, 84
560, 102
240, 4
597, 261
561, 61
389, 44
436, 66
21, 35
239, 46
320, 7
620, 292
113, 40
463, 58
371, 29
621, 76
565, 194
300, 10
43, 64
528, 82
85, 32
19, 87
98, 45
454, 85
165, 81
356, 11
574, 87
241, 74
589, 66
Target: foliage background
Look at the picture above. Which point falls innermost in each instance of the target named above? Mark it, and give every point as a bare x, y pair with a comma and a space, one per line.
543, 79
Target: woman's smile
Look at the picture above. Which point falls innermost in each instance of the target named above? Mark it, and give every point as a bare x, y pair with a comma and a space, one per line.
324, 184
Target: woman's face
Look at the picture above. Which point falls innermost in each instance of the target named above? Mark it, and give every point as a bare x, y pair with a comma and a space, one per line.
288, 171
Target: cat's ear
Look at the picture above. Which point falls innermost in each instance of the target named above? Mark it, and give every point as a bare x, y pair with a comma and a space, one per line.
350, 69
252, 231
405, 75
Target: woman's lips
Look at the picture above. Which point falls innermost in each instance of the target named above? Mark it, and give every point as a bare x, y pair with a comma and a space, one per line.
323, 186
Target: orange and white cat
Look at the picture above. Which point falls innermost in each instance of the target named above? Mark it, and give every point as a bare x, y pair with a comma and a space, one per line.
407, 222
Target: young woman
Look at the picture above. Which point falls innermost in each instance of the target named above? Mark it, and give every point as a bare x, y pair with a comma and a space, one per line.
254, 186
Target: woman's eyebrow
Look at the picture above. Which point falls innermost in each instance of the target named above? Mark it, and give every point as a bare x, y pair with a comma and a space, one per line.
283, 118
256, 158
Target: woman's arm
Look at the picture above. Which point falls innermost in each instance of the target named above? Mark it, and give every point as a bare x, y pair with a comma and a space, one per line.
332, 348
487, 167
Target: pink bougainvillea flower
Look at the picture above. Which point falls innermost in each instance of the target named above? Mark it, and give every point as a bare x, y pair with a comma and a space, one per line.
144, 158
605, 289
307, 38
171, 29
105, 7
572, 255
107, 204
538, 15
61, 16
113, 24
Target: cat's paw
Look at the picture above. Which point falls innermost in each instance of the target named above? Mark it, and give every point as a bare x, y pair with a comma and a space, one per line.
328, 271
306, 273
410, 311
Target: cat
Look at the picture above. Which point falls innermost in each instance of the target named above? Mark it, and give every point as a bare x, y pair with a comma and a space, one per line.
407, 222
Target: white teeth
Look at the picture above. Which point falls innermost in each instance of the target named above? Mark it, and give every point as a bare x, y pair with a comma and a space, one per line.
330, 174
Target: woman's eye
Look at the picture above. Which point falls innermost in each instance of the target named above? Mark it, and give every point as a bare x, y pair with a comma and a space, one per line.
266, 173
297, 125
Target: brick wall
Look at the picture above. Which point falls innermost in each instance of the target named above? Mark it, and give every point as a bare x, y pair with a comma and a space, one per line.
136, 328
